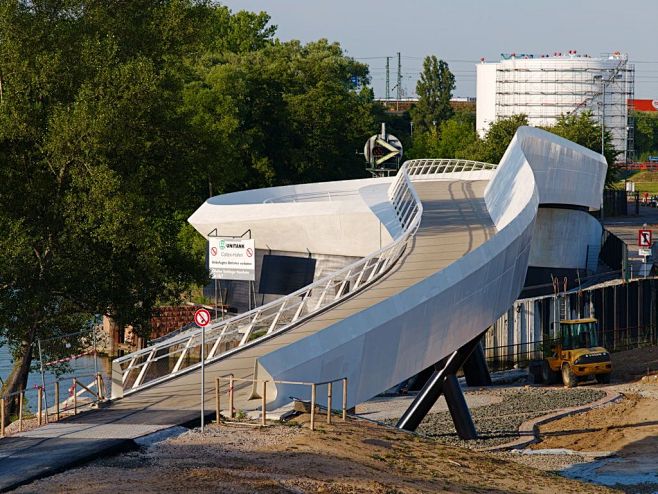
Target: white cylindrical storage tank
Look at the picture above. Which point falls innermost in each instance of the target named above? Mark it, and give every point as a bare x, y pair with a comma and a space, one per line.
543, 88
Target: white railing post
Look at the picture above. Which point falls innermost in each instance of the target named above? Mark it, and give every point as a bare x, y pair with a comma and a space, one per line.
182, 355
301, 306
138, 381
277, 316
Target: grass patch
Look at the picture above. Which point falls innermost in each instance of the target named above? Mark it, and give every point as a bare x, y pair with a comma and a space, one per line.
644, 181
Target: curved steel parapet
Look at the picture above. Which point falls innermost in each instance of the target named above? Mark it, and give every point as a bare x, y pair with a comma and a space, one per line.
393, 340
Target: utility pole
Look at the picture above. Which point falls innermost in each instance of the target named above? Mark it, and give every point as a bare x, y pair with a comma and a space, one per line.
399, 84
388, 78
603, 86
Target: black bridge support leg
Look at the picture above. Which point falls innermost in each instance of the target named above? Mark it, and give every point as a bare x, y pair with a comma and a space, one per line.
475, 367
444, 380
461, 416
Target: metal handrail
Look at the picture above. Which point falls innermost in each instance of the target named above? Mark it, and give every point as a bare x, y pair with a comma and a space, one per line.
281, 314
319, 196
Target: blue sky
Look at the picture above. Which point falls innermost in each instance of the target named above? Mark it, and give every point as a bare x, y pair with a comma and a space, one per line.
463, 31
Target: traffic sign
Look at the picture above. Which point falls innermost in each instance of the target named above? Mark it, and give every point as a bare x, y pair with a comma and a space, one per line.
644, 252
202, 318
644, 238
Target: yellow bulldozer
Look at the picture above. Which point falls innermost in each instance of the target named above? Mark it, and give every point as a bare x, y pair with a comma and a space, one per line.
575, 355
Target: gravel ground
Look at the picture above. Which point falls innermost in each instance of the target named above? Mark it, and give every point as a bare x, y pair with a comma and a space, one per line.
553, 462
499, 423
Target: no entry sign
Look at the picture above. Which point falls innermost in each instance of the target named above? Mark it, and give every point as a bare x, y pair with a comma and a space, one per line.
202, 318
644, 238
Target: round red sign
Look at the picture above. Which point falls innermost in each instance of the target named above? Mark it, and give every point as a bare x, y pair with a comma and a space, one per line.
202, 318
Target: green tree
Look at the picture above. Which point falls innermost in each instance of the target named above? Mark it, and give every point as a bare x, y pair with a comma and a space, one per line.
646, 135
92, 147
434, 89
498, 137
287, 113
583, 129
454, 136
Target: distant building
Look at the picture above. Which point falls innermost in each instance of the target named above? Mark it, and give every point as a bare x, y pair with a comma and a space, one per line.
547, 86
648, 105
404, 104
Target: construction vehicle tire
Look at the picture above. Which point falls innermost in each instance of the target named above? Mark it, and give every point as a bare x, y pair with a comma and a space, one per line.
549, 376
568, 377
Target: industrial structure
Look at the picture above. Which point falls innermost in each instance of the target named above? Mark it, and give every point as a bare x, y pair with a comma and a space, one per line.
547, 86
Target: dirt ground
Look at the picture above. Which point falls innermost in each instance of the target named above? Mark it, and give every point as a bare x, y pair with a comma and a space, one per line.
622, 437
353, 457
362, 457
629, 427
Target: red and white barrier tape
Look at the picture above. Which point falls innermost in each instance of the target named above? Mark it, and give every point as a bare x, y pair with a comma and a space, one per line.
72, 357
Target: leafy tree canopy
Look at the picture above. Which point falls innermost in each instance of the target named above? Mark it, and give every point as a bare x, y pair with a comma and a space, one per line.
646, 135
434, 89
117, 119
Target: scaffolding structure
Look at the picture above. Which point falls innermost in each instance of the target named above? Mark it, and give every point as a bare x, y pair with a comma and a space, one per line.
544, 88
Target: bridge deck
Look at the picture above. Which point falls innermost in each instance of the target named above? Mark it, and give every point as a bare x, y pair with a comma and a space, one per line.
454, 222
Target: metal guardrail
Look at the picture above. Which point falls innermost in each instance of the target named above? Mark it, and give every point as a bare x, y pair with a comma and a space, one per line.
263, 395
173, 356
43, 414
441, 166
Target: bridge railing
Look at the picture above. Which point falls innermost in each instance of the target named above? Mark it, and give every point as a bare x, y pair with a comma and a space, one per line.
183, 352
426, 167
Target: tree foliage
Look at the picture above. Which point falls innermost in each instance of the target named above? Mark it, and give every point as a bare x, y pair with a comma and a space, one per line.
285, 114
492, 147
117, 119
450, 140
434, 89
646, 135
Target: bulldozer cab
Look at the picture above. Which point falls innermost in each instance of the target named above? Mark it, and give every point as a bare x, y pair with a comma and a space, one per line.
575, 354
578, 333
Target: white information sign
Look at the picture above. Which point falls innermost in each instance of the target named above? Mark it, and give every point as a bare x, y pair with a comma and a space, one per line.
232, 259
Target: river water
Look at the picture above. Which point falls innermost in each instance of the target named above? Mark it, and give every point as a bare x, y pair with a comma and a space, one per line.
82, 367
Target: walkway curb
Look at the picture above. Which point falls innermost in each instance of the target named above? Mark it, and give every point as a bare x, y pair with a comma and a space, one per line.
529, 430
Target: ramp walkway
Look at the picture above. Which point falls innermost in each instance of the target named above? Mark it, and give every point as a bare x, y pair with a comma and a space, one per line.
458, 263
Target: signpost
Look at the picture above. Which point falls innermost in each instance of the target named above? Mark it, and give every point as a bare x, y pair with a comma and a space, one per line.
202, 319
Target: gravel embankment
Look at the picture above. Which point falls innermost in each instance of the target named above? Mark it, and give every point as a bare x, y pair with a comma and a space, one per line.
499, 423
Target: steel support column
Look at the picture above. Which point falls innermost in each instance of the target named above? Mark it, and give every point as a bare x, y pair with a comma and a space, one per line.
441, 383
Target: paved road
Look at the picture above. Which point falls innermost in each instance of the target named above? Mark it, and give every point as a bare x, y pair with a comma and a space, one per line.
455, 221
626, 228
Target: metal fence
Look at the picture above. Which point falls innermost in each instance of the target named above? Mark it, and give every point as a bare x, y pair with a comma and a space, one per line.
627, 314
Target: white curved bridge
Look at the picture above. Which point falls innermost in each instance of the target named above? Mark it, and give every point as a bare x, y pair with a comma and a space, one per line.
457, 238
